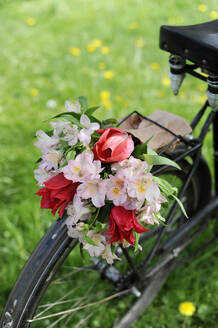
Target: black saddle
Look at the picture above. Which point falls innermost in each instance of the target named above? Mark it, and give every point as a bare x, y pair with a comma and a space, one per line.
198, 43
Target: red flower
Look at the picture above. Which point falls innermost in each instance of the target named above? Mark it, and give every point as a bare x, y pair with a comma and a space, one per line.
58, 192
114, 145
122, 222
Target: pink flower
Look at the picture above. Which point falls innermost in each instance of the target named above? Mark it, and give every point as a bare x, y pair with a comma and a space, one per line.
116, 190
114, 145
95, 189
76, 108
100, 241
78, 210
122, 223
83, 168
142, 187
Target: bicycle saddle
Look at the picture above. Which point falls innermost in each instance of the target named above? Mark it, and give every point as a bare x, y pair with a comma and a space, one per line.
198, 43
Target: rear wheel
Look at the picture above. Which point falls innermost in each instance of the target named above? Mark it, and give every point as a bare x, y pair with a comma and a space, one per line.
59, 287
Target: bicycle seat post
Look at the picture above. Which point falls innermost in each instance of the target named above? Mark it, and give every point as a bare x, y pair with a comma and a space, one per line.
177, 72
212, 91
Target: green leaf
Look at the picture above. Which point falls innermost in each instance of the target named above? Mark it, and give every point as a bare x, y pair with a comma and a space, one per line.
70, 155
105, 212
137, 235
96, 135
83, 102
91, 110
73, 117
109, 122
95, 218
94, 120
81, 250
141, 149
49, 133
89, 240
63, 145
165, 186
159, 160
100, 226
181, 205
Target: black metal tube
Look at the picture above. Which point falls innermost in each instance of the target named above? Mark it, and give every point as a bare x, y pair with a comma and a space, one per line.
199, 115
206, 126
178, 158
215, 146
153, 250
191, 71
198, 217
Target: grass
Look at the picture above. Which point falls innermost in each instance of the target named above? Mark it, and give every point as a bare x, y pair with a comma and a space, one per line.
39, 63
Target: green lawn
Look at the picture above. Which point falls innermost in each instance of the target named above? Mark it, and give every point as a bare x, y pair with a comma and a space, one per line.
50, 52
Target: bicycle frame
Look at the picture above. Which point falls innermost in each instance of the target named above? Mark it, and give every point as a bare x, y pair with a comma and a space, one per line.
194, 150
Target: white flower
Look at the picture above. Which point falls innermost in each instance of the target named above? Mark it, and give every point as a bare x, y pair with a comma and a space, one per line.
108, 255
150, 212
76, 108
51, 159
142, 187
95, 189
116, 190
58, 127
99, 239
83, 168
132, 204
85, 134
42, 175
75, 231
130, 167
71, 134
78, 210
44, 142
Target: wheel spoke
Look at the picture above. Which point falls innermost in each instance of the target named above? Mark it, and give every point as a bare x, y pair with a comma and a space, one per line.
116, 295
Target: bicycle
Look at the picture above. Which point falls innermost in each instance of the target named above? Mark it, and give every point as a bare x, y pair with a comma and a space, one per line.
140, 274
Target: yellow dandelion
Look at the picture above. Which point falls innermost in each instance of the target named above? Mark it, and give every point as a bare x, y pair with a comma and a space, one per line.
202, 99
171, 21
101, 65
139, 43
74, 51
201, 88
30, 21
179, 19
155, 66
213, 14
107, 103
160, 93
187, 308
125, 103
34, 92
133, 26
108, 74
96, 43
105, 50
202, 8
182, 95
90, 48
166, 81
104, 95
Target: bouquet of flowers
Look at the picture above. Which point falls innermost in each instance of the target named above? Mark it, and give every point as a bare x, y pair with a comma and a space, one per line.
100, 177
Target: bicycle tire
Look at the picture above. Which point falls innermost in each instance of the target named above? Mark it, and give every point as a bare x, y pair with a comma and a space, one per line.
55, 247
